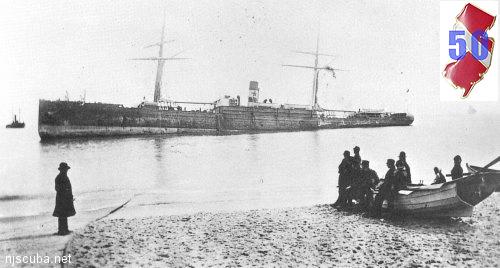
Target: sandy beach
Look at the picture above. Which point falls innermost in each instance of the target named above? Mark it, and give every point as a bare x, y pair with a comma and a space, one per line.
318, 235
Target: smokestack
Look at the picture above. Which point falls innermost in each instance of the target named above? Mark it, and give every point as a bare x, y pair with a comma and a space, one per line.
253, 92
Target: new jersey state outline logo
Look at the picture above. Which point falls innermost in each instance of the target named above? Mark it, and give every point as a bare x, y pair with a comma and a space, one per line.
472, 50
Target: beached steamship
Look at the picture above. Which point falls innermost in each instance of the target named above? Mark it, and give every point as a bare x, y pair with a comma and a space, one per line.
66, 119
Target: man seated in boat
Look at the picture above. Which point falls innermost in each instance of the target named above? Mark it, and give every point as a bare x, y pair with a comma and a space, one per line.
387, 190
457, 171
439, 176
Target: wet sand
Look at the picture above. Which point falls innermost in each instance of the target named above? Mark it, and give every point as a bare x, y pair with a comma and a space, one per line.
35, 235
318, 235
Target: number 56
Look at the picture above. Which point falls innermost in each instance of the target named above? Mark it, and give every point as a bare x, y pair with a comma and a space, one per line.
478, 39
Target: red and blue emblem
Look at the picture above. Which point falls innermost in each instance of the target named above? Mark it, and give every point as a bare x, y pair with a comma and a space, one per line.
472, 48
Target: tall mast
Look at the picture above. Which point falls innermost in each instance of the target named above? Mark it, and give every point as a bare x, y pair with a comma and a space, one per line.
161, 60
314, 98
316, 68
161, 64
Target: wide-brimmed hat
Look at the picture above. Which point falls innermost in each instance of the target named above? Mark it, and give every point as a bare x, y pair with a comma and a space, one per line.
63, 166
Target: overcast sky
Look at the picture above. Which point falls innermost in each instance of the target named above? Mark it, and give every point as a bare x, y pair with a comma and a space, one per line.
390, 48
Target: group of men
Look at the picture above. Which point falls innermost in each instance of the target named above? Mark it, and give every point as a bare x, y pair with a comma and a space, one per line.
357, 181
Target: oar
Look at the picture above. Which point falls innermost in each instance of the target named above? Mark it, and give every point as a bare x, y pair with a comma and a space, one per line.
464, 174
493, 162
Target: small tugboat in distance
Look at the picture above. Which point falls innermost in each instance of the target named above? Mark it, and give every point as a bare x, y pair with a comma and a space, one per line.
15, 123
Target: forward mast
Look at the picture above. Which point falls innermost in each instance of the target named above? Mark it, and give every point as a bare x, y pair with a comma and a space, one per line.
161, 61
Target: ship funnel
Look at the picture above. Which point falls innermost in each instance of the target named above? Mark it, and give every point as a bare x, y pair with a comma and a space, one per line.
253, 92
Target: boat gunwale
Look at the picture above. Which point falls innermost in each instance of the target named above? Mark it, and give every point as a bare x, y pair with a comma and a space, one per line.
445, 206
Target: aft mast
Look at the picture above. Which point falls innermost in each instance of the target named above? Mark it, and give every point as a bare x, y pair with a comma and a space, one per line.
161, 61
314, 96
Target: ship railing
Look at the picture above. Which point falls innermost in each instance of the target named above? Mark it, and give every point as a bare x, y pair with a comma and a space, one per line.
335, 113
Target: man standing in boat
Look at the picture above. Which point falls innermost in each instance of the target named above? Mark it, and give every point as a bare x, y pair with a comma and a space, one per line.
401, 177
64, 199
345, 180
457, 171
402, 160
387, 189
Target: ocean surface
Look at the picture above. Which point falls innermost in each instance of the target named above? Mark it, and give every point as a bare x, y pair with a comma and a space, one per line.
269, 169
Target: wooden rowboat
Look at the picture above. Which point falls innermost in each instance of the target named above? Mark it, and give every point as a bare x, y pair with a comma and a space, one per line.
450, 199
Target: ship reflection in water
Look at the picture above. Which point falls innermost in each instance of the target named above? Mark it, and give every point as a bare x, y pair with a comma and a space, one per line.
248, 170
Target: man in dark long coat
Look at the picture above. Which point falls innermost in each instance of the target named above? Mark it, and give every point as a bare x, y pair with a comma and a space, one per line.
356, 158
345, 180
355, 175
64, 199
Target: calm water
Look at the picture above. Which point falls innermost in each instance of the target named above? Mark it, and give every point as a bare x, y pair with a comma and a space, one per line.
297, 168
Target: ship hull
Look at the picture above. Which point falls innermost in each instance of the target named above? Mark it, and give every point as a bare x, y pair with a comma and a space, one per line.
66, 119
52, 132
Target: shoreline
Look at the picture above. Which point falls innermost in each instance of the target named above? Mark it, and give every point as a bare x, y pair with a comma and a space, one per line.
315, 235
35, 236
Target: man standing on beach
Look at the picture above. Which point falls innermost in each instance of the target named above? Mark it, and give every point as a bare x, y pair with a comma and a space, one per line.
356, 158
64, 199
356, 164
345, 179
369, 179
